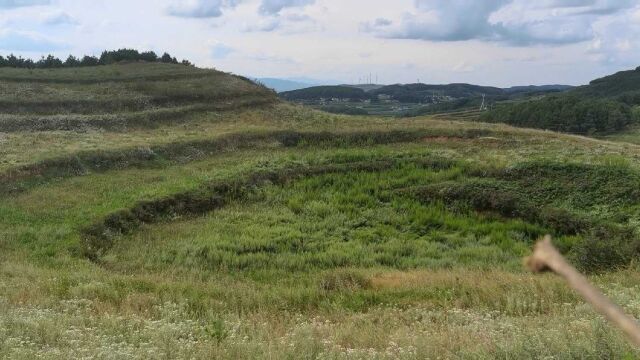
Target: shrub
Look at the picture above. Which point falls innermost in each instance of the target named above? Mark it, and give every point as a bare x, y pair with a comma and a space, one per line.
605, 249
344, 280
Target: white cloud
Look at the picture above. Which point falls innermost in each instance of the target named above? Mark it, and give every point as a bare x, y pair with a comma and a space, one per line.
12, 4
200, 8
262, 25
273, 7
28, 42
221, 51
463, 67
514, 22
59, 18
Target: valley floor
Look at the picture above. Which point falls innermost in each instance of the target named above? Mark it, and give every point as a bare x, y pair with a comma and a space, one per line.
282, 232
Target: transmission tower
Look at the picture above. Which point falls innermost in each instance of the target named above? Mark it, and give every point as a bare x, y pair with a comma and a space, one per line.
483, 107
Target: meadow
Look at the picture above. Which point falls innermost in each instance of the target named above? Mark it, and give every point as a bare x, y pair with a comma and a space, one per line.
269, 230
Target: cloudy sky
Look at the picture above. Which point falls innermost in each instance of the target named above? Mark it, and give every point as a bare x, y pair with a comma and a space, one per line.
491, 42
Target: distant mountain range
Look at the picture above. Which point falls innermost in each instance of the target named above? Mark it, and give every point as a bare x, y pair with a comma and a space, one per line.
408, 90
292, 83
416, 93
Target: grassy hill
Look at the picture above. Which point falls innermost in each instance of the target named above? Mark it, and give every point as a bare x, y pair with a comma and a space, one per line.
125, 96
252, 228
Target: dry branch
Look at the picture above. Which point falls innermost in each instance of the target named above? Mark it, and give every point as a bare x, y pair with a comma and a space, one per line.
546, 257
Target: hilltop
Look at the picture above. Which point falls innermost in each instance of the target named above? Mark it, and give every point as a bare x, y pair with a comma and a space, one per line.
119, 96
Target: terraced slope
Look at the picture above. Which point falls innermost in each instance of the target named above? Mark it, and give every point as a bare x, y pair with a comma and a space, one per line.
280, 232
118, 97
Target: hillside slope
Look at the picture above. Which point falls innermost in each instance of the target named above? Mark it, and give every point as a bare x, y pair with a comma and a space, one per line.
624, 85
605, 106
119, 96
252, 231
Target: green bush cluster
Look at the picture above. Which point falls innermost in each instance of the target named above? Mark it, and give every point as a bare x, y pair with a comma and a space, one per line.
565, 113
106, 58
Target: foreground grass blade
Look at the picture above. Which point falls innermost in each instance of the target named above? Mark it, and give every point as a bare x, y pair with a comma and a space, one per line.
547, 257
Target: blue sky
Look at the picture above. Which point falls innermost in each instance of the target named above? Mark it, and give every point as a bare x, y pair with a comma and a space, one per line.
492, 42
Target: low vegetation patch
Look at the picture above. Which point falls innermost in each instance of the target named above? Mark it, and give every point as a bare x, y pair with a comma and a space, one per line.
22, 178
99, 237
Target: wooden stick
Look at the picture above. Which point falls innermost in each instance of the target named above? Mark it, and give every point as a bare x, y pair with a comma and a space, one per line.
547, 257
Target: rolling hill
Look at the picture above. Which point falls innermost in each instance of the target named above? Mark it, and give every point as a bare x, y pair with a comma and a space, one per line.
162, 211
622, 85
317, 93
124, 96
416, 93
605, 106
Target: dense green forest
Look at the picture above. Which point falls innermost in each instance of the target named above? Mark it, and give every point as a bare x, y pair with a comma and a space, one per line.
106, 58
621, 85
603, 106
565, 113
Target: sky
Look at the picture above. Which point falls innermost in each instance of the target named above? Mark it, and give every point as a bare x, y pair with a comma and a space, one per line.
487, 42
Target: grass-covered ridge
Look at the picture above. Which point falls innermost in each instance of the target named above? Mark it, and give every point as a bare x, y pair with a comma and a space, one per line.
118, 96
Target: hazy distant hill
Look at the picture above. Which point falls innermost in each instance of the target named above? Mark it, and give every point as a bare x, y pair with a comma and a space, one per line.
281, 85
417, 93
536, 88
422, 93
366, 87
326, 92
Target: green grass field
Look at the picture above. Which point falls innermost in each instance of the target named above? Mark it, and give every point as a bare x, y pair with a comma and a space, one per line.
261, 229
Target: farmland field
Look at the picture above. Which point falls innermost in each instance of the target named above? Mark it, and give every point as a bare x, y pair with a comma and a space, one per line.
163, 211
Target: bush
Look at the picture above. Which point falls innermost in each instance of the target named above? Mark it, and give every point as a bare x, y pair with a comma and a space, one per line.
344, 280
605, 249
